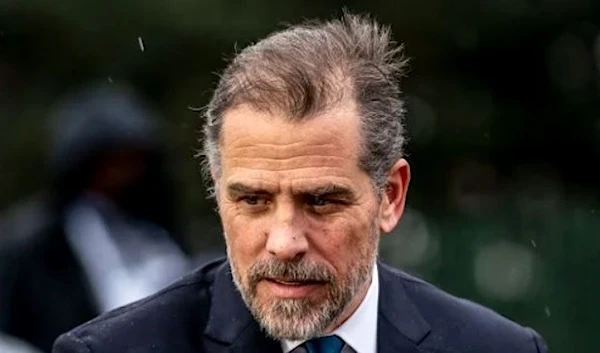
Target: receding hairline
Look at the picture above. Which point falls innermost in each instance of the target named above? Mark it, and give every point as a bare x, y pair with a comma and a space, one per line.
343, 96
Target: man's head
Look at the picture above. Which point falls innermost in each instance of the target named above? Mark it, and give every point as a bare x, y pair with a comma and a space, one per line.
304, 143
106, 140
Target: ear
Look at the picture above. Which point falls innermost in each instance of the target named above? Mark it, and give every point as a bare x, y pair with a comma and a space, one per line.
394, 196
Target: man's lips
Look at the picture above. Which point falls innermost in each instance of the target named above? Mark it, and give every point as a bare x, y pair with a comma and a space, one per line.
289, 288
292, 282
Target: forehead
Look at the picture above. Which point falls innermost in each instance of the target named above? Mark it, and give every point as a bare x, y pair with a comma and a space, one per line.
259, 143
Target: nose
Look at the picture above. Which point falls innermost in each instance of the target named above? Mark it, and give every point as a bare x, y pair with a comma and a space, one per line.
287, 239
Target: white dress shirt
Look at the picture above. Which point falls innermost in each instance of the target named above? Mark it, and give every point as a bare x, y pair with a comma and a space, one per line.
118, 272
359, 331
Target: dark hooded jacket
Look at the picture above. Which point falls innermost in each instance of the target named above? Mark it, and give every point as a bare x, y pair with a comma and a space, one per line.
43, 289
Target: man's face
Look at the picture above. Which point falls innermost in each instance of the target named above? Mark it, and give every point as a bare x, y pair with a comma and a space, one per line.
300, 217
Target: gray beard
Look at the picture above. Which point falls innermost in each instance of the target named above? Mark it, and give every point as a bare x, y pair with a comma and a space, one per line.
303, 319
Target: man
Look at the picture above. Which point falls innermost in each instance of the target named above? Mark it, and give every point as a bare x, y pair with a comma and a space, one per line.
304, 143
103, 236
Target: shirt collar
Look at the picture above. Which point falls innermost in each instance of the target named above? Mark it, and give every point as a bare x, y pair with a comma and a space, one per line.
360, 330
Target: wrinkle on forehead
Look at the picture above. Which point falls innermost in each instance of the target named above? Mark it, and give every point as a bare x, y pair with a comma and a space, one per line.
248, 147
297, 145
322, 163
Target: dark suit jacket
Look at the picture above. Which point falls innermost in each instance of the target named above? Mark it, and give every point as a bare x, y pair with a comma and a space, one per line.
43, 290
204, 313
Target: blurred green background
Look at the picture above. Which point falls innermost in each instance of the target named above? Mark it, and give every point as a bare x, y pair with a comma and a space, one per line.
504, 126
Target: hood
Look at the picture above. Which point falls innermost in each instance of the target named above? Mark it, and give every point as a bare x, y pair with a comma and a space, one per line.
98, 119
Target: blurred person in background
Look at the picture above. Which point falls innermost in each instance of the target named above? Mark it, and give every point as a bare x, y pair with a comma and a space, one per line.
106, 234
305, 143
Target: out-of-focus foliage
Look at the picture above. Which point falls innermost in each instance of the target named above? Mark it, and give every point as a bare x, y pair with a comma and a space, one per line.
504, 126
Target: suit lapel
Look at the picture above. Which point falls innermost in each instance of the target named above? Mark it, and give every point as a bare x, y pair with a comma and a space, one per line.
400, 326
231, 328
390, 341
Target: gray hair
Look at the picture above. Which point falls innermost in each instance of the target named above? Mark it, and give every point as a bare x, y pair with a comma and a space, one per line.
306, 69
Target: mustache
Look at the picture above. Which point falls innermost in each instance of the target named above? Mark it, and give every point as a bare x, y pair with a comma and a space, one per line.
291, 271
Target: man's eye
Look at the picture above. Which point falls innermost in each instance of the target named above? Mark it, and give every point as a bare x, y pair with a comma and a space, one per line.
318, 201
323, 204
253, 200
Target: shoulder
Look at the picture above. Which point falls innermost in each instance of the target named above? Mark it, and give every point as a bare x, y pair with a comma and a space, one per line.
461, 325
27, 229
155, 323
24, 229
26, 218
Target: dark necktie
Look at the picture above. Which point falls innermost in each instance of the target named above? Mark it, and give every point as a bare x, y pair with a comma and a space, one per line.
327, 344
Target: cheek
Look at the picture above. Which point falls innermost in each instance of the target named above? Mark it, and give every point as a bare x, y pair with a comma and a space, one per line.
340, 243
244, 237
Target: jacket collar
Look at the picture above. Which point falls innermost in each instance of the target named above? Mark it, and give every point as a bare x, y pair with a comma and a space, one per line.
401, 328
230, 323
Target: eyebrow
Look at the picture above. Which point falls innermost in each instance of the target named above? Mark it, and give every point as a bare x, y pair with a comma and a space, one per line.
330, 190
239, 188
